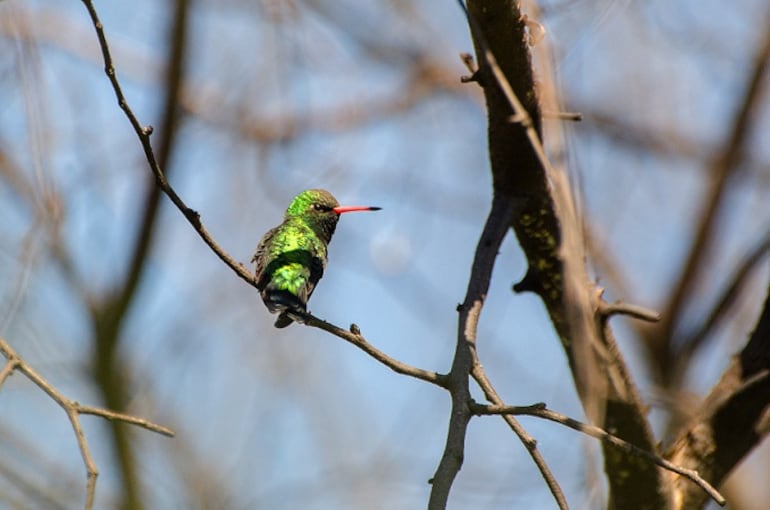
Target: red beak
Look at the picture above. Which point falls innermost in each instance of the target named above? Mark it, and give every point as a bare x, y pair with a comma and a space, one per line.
354, 208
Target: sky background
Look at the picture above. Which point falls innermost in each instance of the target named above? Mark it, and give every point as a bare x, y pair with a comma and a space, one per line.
363, 99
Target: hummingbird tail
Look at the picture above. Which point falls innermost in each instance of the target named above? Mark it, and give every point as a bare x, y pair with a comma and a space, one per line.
291, 307
283, 320
288, 316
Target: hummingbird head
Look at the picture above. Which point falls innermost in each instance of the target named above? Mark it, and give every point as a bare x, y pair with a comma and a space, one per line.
321, 211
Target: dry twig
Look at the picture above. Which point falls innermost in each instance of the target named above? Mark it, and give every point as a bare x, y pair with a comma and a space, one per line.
73, 410
539, 410
144, 132
355, 337
528, 441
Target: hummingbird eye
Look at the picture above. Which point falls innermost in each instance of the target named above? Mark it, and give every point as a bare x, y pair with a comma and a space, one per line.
320, 208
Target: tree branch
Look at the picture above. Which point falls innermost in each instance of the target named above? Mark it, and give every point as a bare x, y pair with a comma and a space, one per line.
122, 417
528, 441
540, 411
108, 314
143, 133
492, 236
733, 419
725, 162
736, 283
73, 411
355, 337
550, 233
607, 310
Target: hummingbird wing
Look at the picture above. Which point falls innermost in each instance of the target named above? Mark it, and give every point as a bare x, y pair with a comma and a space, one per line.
261, 257
317, 266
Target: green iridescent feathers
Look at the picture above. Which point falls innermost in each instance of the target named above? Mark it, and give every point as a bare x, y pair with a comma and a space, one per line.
291, 257
288, 256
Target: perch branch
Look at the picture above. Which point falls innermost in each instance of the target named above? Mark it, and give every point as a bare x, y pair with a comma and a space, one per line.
193, 217
144, 132
355, 337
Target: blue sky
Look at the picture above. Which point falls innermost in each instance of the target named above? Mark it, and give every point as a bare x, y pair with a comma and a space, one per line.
297, 418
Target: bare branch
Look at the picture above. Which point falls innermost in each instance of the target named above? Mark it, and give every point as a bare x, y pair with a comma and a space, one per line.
8, 368
736, 282
489, 243
723, 164
194, 218
539, 410
635, 311
126, 418
91, 472
529, 442
143, 133
355, 337
733, 418
73, 411
550, 233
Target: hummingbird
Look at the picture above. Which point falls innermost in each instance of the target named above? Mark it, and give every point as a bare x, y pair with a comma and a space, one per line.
291, 257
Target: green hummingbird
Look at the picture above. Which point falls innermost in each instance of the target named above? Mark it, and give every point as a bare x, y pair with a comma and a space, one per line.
291, 257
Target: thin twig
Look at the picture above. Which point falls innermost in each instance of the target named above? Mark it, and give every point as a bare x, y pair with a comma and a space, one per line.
529, 442
571, 116
144, 132
635, 311
737, 281
355, 337
495, 229
8, 368
194, 218
540, 411
91, 472
73, 411
126, 418
596, 363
